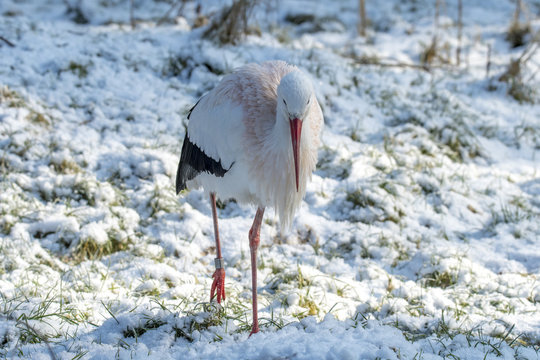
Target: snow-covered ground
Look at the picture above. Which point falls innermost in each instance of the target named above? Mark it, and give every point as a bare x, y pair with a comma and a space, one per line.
419, 237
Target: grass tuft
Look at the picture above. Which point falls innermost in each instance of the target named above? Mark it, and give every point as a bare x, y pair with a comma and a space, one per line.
137, 331
11, 98
66, 166
78, 69
360, 199
517, 33
440, 279
90, 249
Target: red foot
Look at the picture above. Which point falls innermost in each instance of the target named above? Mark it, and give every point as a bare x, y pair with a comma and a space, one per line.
254, 329
218, 286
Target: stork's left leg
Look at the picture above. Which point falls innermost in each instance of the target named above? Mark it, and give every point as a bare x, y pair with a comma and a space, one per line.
254, 240
218, 285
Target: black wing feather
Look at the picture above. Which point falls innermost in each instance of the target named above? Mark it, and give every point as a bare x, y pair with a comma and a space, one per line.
193, 107
193, 161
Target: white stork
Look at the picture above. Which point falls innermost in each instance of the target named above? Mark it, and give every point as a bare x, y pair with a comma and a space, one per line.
254, 138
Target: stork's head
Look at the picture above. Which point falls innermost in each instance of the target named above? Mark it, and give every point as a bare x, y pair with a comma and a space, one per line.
295, 95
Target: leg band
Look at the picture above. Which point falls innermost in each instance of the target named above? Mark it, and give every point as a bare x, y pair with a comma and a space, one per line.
219, 263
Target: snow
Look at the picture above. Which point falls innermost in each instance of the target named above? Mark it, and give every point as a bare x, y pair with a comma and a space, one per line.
419, 236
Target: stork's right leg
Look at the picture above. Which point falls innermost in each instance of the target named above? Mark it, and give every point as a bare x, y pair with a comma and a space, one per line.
218, 286
254, 239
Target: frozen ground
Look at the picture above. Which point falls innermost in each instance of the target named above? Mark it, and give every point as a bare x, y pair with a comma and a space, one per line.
419, 237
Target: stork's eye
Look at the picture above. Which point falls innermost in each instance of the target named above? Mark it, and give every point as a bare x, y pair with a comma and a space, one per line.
308, 101
284, 102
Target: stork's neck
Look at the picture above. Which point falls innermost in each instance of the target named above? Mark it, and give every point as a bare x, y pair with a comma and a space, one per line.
282, 133
284, 194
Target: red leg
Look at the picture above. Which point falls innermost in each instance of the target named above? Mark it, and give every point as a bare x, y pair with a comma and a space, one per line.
218, 285
254, 239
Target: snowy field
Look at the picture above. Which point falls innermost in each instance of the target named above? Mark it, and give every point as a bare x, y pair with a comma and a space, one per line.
419, 237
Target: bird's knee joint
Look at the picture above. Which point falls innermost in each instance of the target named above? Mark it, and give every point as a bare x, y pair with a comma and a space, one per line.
253, 234
254, 242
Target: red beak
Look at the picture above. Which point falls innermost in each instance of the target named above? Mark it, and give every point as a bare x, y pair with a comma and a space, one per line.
296, 132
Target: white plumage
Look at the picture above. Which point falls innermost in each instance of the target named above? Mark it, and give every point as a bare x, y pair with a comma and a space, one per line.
254, 138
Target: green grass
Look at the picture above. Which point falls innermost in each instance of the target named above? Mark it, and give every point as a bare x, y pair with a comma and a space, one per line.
137, 331
289, 277
377, 209
440, 279
90, 249
78, 69
174, 65
164, 200
66, 166
12, 98
360, 199
333, 165
49, 309
38, 118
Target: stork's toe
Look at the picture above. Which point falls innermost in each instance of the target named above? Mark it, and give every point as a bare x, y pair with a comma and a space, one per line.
218, 285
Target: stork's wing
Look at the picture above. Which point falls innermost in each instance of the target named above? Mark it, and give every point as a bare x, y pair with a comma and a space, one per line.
194, 161
212, 140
